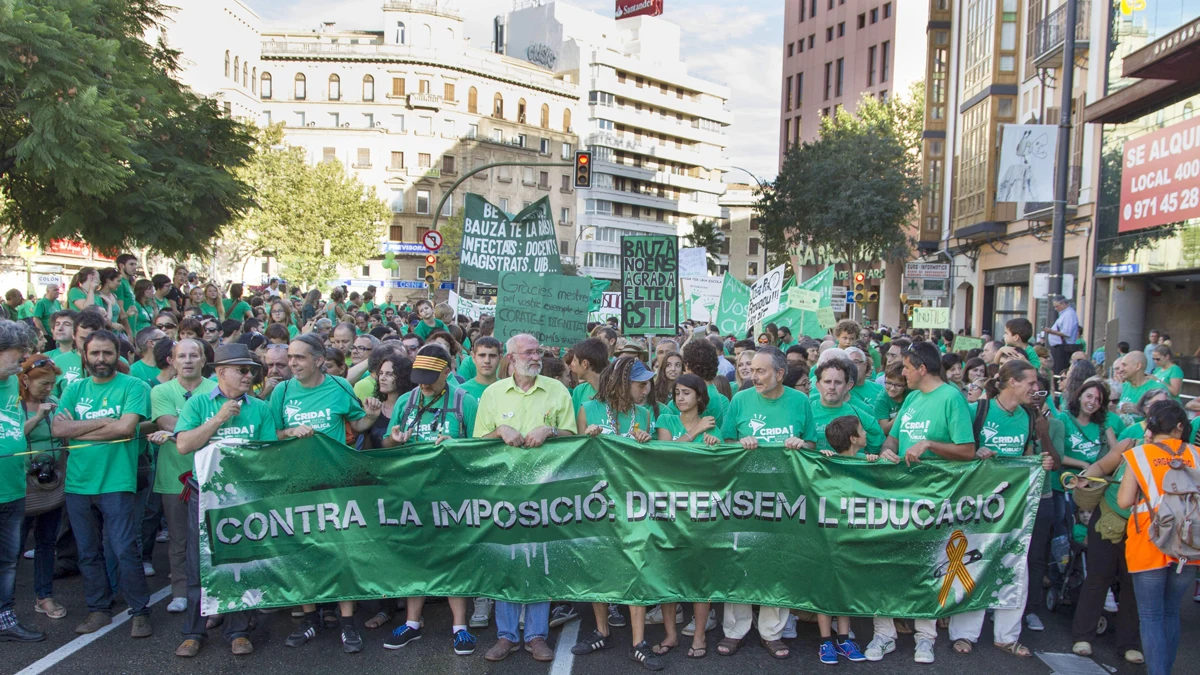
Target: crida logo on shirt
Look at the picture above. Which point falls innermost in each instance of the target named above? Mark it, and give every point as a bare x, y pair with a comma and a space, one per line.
991, 431
10, 424
316, 418
84, 410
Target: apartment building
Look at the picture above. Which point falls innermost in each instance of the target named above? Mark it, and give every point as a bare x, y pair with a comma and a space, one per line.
742, 253
657, 133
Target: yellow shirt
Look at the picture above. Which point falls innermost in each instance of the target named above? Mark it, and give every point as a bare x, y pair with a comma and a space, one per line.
547, 403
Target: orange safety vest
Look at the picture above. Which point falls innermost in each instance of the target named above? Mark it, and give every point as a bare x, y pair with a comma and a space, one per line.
1141, 555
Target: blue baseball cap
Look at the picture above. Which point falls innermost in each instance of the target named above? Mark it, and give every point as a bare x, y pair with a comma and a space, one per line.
640, 372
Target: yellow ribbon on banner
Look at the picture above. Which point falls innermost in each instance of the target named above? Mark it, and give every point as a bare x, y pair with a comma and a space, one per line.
955, 550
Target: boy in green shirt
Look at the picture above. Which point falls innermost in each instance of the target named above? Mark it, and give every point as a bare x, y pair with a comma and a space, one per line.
1017, 333
591, 358
485, 356
427, 322
45, 308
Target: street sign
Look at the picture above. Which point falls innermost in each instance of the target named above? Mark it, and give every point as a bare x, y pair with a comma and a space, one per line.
927, 270
432, 240
924, 289
485, 291
837, 299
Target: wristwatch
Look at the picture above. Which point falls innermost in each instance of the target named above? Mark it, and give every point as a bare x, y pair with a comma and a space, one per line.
554, 431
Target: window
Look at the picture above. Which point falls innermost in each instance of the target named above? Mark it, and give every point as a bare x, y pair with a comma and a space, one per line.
423, 86
448, 91
328, 154
364, 157
400, 32
812, 10
752, 269
368, 88
568, 151
787, 93
299, 115
335, 120
752, 249
884, 61
521, 140
228, 109
267, 117
264, 88
423, 202
564, 216
812, 40
753, 224
871, 66
887, 10
397, 160
791, 49
397, 86
498, 106
504, 204
566, 121
521, 111
544, 180
604, 125
566, 183
448, 207
245, 75
527, 175
448, 128
425, 125
544, 122
800, 45
299, 89
236, 63
841, 75
473, 100
472, 131
563, 247
254, 81
448, 164
875, 15
398, 124
335, 88
597, 206
862, 21
423, 160
226, 63
803, 8
396, 233
842, 29
498, 135
829, 34
503, 174
828, 79
544, 146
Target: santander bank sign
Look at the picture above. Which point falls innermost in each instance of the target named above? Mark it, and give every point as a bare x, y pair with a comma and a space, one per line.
628, 8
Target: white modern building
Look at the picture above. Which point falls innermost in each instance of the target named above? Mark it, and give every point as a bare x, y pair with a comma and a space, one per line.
657, 133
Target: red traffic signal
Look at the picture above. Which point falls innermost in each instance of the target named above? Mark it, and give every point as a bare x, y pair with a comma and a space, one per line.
583, 169
431, 260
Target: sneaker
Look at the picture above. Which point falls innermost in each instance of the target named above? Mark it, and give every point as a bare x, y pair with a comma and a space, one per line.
464, 643
789, 628
241, 646
148, 569
303, 633
561, 614
188, 648
403, 635
141, 626
94, 622
924, 651
879, 647
591, 643
28, 555
351, 641
849, 630
827, 653
849, 651
711, 624
163, 537
177, 605
1082, 648
655, 615
615, 618
1110, 602
479, 619
1034, 623
643, 655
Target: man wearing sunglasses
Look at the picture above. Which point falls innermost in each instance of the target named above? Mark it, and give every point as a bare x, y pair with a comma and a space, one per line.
225, 412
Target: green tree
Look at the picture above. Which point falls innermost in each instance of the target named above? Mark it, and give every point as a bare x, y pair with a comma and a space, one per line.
706, 235
854, 190
312, 218
98, 141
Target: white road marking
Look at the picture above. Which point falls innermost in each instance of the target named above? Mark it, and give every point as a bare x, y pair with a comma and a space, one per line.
564, 660
62, 653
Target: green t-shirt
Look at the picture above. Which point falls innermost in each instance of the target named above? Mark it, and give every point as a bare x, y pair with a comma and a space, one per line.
672, 424
12, 441
105, 467
125, 294
941, 416
41, 438
885, 408
423, 329
770, 421
71, 366
822, 416
1132, 394
1135, 432
326, 407
437, 420
595, 412
717, 409
474, 388
466, 369
254, 422
168, 400
145, 372
365, 388
582, 393
25, 310
44, 309
1083, 443
76, 293
1032, 356
865, 394
1172, 373
208, 310
239, 312
142, 318
1003, 432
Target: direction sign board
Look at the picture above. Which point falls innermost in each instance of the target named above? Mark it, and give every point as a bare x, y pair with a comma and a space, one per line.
837, 299
432, 240
927, 270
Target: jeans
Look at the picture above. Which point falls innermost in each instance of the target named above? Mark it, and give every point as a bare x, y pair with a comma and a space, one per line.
537, 620
237, 624
150, 521
109, 517
11, 515
45, 533
110, 556
1159, 594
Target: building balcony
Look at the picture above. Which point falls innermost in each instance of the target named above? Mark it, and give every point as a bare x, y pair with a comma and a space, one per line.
1044, 211
662, 124
1047, 44
629, 143
654, 96
422, 7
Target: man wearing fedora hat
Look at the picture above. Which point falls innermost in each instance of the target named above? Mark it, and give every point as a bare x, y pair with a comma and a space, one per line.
225, 412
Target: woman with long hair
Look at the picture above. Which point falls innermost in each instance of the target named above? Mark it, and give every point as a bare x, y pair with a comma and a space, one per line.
392, 382
84, 289
38, 374
110, 281
144, 306
195, 298
312, 305
212, 304
281, 313
743, 370
1167, 371
669, 370
1078, 373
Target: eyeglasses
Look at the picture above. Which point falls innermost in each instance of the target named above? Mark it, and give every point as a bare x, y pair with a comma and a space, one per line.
360, 348
893, 385
166, 326
243, 370
1041, 393
211, 330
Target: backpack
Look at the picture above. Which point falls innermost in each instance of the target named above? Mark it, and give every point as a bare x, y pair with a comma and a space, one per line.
1175, 520
456, 408
981, 411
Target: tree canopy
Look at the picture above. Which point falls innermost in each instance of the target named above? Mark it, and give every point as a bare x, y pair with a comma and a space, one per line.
99, 142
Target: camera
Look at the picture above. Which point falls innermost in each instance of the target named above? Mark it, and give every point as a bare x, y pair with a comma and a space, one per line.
44, 468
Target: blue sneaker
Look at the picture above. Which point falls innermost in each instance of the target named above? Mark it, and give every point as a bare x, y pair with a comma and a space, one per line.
828, 653
849, 650
403, 635
464, 643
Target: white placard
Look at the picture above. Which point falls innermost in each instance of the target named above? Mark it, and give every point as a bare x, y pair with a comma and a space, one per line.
764, 296
701, 297
837, 299
469, 309
1026, 172
1041, 285
693, 262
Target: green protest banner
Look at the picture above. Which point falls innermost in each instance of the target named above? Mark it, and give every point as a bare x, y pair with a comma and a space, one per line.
553, 308
803, 322
963, 343
492, 243
597, 295
608, 520
649, 284
731, 309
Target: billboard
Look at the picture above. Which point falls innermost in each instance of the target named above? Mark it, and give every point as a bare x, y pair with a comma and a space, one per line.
1160, 177
628, 8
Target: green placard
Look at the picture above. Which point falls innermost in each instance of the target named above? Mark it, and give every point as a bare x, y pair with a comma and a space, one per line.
963, 343
731, 309
492, 243
825, 318
649, 285
553, 308
931, 317
800, 298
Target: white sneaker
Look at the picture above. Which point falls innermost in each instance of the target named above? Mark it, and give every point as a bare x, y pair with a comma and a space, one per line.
711, 624
789, 628
483, 607
1034, 623
148, 569
177, 606
28, 555
849, 631
879, 647
655, 615
924, 651
1110, 602
163, 537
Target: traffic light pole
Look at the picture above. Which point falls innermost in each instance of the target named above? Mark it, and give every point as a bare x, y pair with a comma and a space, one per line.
437, 214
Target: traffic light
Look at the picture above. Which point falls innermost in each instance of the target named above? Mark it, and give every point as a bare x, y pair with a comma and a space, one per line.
860, 281
431, 271
872, 296
583, 169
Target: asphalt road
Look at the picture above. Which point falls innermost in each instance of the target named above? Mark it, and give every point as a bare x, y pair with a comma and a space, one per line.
116, 652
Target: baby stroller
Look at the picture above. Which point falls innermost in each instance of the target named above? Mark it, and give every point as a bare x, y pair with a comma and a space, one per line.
1071, 560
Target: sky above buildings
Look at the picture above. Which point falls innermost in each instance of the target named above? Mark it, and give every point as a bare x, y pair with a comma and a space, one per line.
737, 43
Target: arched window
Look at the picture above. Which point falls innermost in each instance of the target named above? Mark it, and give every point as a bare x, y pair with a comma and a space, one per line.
245, 75
567, 120
226, 63
450, 35
1187, 110
335, 88
498, 106
235, 68
400, 32
254, 81
473, 100
264, 88
368, 92
426, 36
300, 90
521, 111
545, 121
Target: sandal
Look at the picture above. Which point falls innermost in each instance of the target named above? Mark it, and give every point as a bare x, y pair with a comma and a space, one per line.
777, 649
1015, 648
378, 620
662, 650
697, 652
729, 646
963, 646
50, 608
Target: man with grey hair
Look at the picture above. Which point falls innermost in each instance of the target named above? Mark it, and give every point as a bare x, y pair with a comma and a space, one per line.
362, 347
767, 413
323, 327
16, 340
663, 349
1063, 336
